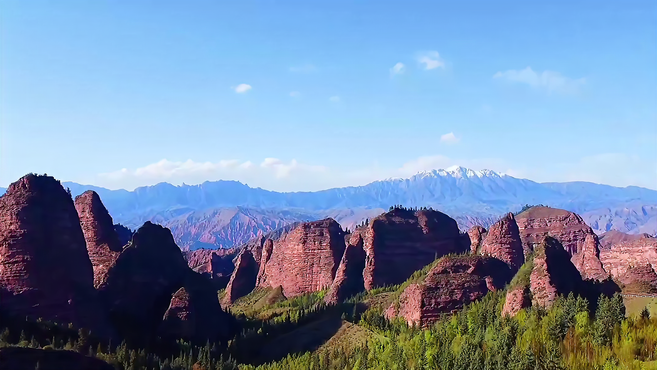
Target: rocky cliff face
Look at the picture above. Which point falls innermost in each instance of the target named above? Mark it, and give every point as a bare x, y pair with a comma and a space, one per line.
477, 234
305, 260
103, 244
628, 260
349, 276
45, 270
503, 242
215, 264
553, 274
243, 279
451, 284
569, 230
613, 237
516, 300
194, 312
401, 242
141, 282
587, 261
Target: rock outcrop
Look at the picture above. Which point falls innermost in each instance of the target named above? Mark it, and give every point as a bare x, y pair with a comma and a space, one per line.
537, 223
587, 261
400, 242
194, 313
553, 274
640, 279
45, 270
123, 233
613, 237
20, 358
451, 284
516, 299
477, 234
349, 277
243, 279
629, 260
140, 284
304, 260
215, 264
503, 242
103, 244
576, 237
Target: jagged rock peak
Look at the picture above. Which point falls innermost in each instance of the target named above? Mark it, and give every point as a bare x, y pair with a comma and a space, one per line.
503, 242
103, 244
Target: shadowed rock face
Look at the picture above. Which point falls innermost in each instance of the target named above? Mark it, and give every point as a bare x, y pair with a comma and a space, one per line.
305, 260
215, 264
578, 239
451, 284
476, 235
628, 263
243, 279
18, 358
503, 242
401, 242
140, 283
194, 312
349, 277
102, 240
553, 274
45, 270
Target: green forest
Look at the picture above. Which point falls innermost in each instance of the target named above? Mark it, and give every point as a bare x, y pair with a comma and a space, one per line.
304, 333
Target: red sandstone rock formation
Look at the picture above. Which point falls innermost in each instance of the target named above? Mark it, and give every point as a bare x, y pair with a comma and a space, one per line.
103, 243
503, 242
553, 274
451, 284
305, 260
215, 264
243, 278
194, 312
641, 279
476, 235
613, 237
142, 280
45, 270
516, 300
569, 229
400, 242
587, 261
19, 358
267, 250
349, 276
634, 254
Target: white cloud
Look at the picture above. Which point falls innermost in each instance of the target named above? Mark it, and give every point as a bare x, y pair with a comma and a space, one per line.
242, 88
548, 80
431, 60
305, 68
295, 94
334, 99
449, 138
398, 68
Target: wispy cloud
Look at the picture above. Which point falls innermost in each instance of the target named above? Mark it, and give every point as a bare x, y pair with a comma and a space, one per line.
304, 68
295, 94
431, 60
242, 88
449, 138
334, 99
398, 68
549, 81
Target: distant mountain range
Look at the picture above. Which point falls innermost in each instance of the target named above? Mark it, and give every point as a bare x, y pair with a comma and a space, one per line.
224, 213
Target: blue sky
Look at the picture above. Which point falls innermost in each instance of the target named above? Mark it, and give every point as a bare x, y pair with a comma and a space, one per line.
304, 95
